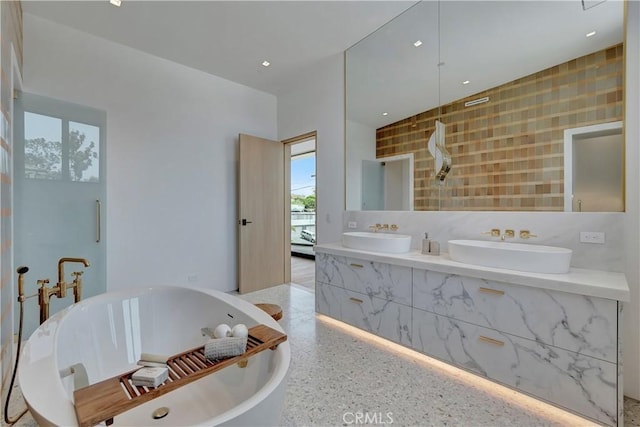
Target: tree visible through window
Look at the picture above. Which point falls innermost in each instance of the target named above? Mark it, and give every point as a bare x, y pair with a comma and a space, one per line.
46, 154
83, 155
42, 159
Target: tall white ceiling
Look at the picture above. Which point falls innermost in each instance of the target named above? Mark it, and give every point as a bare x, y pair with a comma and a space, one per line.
486, 42
229, 39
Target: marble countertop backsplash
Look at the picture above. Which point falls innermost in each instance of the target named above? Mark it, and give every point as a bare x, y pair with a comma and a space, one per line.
551, 228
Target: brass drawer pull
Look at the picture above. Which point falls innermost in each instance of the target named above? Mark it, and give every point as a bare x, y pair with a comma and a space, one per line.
357, 265
491, 340
491, 291
358, 300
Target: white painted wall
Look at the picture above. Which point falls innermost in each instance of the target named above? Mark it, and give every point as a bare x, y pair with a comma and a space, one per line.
172, 152
632, 215
362, 146
315, 101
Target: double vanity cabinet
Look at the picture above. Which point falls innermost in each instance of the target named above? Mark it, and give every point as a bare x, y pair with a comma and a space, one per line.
554, 337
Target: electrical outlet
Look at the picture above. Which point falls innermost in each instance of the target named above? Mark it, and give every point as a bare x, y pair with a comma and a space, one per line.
592, 237
352, 224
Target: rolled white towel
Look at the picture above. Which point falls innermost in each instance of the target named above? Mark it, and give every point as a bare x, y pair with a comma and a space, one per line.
221, 331
153, 360
239, 330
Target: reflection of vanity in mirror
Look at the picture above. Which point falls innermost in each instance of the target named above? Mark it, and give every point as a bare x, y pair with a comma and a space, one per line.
530, 94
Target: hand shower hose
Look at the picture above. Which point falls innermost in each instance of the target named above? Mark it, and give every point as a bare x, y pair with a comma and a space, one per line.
7, 419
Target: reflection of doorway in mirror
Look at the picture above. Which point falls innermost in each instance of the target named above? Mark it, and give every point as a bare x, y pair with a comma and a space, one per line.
593, 168
387, 183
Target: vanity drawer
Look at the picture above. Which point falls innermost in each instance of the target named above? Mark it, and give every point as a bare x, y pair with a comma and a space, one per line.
383, 318
326, 268
374, 279
580, 383
578, 323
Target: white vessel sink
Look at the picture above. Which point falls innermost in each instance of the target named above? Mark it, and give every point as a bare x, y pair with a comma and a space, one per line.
511, 256
377, 242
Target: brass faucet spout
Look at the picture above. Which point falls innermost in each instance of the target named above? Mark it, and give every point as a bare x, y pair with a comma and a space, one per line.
61, 262
59, 290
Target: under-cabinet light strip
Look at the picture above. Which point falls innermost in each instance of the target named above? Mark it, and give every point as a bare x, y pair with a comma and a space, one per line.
506, 394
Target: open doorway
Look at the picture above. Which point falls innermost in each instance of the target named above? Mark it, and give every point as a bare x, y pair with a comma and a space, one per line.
594, 168
302, 193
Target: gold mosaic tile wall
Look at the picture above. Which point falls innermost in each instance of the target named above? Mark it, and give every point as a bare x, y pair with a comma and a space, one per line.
507, 154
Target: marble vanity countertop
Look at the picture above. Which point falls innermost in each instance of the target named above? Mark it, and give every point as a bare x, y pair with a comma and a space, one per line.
595, 283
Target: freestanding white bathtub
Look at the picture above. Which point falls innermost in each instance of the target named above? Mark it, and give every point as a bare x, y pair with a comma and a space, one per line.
106, 334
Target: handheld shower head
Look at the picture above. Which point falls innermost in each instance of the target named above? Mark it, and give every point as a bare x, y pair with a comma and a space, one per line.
21, 271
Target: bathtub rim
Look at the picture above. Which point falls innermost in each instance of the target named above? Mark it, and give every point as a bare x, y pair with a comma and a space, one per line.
53, 400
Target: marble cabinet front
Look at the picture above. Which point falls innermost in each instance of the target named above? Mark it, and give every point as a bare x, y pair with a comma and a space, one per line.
560, 347
382, 317
374, 279
581, 383
582, 324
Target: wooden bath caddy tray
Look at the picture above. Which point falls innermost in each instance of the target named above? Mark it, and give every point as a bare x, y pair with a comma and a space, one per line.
104, 400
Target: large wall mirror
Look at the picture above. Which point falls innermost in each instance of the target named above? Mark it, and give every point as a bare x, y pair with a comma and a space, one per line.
529, 100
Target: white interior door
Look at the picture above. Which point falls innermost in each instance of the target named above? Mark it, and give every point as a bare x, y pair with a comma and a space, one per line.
60, 184
261, 240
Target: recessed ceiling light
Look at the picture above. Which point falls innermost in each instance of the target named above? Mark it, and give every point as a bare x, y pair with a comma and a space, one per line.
592, 33
466, 82
116, 2
266, 63
417, 43
385, 114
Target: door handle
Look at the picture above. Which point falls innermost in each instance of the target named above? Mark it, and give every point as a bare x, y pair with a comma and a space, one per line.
245, 222
98, 230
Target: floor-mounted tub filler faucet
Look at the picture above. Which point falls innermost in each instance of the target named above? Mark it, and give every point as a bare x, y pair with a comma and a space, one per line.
44, 295
60, 290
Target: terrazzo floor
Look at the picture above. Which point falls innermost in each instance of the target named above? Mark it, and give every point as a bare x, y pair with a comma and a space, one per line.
337, 375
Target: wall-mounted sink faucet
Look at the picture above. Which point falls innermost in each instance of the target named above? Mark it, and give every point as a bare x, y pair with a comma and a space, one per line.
494, 232
526, 234
376, 227
384, 227
508, 234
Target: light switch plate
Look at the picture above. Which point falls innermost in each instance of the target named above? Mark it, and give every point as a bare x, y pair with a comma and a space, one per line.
592, 237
